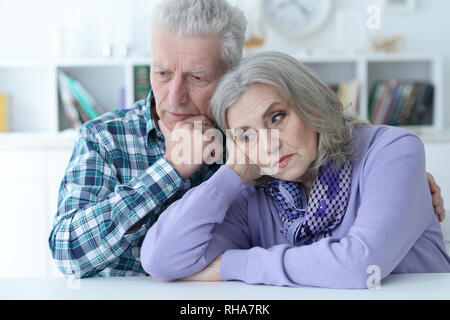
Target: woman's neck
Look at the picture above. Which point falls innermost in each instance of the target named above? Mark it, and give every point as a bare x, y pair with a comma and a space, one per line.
307, 180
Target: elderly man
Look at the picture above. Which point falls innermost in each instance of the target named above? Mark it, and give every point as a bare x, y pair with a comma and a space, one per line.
121, 176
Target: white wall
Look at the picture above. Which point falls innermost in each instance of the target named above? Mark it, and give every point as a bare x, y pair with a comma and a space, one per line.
26, 28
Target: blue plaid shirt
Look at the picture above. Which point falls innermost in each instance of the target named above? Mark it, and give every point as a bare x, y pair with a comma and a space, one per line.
117, 176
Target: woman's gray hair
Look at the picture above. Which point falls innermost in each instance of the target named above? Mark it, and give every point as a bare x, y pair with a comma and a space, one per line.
203, 18
314, 102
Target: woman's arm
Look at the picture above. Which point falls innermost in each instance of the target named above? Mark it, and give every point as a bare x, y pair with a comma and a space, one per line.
395, 210
194, 230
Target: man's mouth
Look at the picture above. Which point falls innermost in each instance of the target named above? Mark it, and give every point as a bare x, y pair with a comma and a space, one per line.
178, 116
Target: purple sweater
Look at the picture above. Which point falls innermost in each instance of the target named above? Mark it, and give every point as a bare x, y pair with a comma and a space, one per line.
389, 223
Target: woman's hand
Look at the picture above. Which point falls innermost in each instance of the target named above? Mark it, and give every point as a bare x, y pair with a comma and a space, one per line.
239, 162
210, 273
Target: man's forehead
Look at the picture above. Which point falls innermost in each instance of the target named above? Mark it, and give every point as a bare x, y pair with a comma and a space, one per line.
192, 52
196, 68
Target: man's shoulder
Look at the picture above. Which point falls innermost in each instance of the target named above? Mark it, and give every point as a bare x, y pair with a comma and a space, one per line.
117, 121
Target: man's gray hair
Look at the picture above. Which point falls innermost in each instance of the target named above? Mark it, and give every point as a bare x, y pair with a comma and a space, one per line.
314, 102
203, 18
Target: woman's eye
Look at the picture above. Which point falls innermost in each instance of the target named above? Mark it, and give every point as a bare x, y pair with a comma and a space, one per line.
277, 117
244, 138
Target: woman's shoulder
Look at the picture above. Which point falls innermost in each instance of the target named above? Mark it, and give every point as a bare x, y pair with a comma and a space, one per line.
380, 136
387, 151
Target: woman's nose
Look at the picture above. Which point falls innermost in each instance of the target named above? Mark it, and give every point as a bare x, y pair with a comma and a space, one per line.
269, 145
273, 142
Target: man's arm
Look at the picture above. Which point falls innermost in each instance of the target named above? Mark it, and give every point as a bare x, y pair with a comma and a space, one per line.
438, 201
97, 215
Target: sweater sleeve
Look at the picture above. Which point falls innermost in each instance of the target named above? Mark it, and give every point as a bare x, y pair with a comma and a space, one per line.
195, 229
395, 210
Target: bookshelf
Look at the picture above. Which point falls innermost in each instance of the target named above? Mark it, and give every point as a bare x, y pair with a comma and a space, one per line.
368, 69
35, 106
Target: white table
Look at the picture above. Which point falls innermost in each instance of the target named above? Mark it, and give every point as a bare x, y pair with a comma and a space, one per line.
399, 286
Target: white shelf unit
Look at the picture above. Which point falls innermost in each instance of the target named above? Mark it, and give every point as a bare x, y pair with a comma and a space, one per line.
370, 68
33, 87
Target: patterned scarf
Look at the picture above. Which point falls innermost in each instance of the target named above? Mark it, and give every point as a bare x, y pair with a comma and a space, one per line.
305, 222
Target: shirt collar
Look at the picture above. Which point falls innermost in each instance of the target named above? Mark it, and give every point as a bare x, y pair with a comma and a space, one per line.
151, 127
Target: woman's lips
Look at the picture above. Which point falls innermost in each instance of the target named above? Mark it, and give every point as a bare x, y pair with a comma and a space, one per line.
284, 161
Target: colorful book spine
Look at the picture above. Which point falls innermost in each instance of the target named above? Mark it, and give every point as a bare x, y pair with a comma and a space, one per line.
4, 113
379, 103
84, 102
407, 89
86, 95
401, 102
386, 101
68, 101
373, 99
391, 104
423, 114
142, 84
409, 105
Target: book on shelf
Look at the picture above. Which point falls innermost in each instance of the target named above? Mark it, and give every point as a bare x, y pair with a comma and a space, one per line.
69, 103
89, 101
401, 102
347, 93
78, 104
4, 113
141, 82
87, 107
423, 113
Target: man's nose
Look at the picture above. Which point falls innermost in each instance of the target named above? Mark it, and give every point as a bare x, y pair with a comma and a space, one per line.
178, 94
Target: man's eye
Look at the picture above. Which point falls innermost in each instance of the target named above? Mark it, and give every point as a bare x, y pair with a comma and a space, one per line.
162, 73
196, 78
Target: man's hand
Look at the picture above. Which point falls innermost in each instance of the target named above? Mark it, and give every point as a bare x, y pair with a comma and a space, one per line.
185, 145
438, 201
210, 273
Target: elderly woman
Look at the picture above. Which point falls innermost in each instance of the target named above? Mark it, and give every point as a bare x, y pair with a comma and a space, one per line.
343, 199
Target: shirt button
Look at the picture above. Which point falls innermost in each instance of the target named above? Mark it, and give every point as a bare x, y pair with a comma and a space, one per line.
170, 188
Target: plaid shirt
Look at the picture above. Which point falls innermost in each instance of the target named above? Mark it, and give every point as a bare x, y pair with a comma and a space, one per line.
117, 175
